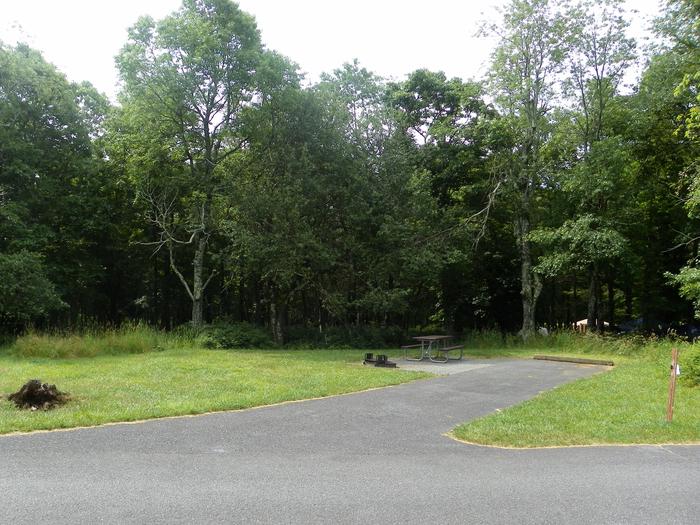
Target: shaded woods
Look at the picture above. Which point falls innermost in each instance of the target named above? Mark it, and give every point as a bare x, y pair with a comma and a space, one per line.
223, 186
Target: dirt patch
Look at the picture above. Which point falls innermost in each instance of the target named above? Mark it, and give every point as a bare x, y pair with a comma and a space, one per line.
35, 395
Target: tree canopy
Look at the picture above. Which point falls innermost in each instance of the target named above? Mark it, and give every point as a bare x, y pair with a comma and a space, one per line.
223, 185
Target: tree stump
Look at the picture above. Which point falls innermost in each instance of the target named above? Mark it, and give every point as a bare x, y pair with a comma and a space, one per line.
35, 395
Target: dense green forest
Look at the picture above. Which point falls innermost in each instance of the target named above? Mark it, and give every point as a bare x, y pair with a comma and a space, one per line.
223, 185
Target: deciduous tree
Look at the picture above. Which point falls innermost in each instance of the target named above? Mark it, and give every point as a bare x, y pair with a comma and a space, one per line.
524, 76
186, 81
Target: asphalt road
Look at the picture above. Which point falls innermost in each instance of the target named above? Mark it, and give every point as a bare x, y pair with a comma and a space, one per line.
372, 457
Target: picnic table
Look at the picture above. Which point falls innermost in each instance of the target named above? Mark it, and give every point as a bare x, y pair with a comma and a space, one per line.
434, 347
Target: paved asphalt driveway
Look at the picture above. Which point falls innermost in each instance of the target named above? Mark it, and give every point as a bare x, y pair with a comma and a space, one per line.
372, 457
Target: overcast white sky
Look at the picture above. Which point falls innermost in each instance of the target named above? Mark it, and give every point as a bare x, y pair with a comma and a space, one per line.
390, 37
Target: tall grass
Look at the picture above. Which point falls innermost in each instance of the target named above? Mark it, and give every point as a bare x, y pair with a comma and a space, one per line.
493, 343
140, 339
127, 339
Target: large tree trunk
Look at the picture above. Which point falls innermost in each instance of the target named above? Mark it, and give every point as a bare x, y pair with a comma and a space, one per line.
198, 283
531, 285
196, 291
197, 312
200, 241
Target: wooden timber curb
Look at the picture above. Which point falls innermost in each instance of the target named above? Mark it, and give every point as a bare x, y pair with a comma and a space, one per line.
578, 360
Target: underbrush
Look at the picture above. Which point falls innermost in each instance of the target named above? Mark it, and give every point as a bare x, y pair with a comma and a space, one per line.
346, 336
234, 335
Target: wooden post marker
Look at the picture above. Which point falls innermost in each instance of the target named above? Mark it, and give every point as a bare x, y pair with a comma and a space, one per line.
672, 385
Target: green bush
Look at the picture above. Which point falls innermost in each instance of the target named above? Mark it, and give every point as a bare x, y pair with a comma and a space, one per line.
234, 335
690, 366
26, 293
129, 339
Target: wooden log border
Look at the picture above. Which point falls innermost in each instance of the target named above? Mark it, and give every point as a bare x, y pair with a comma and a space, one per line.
579, 360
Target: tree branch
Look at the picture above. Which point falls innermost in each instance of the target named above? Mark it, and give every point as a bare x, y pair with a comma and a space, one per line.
206, 283
174, 268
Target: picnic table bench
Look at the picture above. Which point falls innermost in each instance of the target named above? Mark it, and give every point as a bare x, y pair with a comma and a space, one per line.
435, 348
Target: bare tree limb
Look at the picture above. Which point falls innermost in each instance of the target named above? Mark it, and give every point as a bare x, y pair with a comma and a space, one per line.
485, 212
211, 276
175, 269
683, 244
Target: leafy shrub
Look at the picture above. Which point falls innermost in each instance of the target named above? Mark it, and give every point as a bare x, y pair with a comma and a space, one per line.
690, 366
234, 335
129, 339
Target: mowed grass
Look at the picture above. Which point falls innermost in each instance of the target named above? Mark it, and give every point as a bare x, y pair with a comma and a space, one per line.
625, 405
183, 381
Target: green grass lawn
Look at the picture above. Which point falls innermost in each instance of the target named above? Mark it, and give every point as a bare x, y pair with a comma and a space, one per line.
183, 381
625, 405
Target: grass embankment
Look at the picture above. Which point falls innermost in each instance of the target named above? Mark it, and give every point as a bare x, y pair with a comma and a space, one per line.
178, 380
625, 405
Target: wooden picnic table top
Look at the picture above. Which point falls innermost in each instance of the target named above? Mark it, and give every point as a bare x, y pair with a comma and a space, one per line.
433, 337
